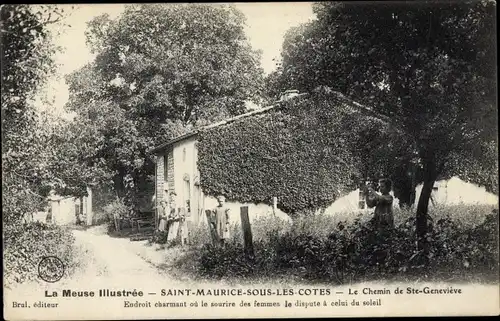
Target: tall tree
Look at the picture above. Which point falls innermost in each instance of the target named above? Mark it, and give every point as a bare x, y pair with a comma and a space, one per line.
27, 62
430, 66
161, 70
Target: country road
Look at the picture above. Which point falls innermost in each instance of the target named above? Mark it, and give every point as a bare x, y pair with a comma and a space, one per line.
114, 262
106, 262
112, 259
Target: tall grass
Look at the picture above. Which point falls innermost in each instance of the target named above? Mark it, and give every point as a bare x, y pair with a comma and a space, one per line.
464, 239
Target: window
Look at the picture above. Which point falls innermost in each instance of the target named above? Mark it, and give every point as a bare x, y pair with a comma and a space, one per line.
165, 169
187, 193
184, 154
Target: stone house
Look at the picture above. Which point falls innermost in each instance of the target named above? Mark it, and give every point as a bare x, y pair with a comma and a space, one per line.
176, 169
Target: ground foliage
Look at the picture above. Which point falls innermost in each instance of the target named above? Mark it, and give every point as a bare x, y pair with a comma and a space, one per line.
27, 244
352, 251
27, 156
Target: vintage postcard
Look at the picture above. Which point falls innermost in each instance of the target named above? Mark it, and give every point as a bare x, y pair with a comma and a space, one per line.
249, 160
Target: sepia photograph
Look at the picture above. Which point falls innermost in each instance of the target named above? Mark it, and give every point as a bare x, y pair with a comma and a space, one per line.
249, 159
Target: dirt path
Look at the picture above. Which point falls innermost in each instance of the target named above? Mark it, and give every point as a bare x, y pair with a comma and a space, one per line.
114, 261
106, 262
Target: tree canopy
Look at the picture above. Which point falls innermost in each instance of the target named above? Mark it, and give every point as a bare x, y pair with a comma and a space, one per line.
27, 62
429, 66
159, 71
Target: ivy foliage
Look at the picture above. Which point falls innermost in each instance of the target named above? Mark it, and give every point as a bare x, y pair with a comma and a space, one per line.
300, 151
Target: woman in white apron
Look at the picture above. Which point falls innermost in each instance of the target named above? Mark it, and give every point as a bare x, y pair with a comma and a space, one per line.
173, 219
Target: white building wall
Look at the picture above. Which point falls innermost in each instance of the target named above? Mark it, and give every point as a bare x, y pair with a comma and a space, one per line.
88, 207
63, 210
185, 165
449, 192
254, 210
455, 191
185, 174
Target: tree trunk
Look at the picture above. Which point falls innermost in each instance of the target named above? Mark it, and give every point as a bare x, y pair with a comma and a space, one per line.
119, 186
404, 185
423, 208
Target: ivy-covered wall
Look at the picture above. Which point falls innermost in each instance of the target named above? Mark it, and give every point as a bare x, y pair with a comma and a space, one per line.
298, 152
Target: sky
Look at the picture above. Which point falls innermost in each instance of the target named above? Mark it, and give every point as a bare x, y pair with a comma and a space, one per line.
266, 26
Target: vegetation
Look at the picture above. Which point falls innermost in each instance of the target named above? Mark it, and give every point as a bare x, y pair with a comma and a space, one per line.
26, 245
159, 71
296, 152
426, 71
429, 67
347, 249
27, 176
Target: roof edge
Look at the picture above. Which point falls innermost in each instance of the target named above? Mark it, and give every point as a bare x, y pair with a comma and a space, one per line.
172, 141
357, 106
220, 123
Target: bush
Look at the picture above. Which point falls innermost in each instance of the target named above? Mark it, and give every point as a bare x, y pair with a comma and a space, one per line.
324, 248
116, 207
199, 234
160, 237
25, 245
218, 262
100, 217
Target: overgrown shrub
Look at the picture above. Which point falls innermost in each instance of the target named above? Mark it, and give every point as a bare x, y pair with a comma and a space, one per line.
228, 261
116, 207
325, 248
297, 152
199, 234
100, 217
160, 237
25, 245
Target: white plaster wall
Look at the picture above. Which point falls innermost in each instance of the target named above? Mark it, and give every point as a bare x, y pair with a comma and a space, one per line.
88, 207
39, 217
455, 191
254, 210
181, 168
63, 211
349, 203
450, 192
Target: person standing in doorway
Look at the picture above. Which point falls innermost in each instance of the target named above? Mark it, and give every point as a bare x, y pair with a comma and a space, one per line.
48, 218
183, 226
163, 212
117, 219
220, 220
